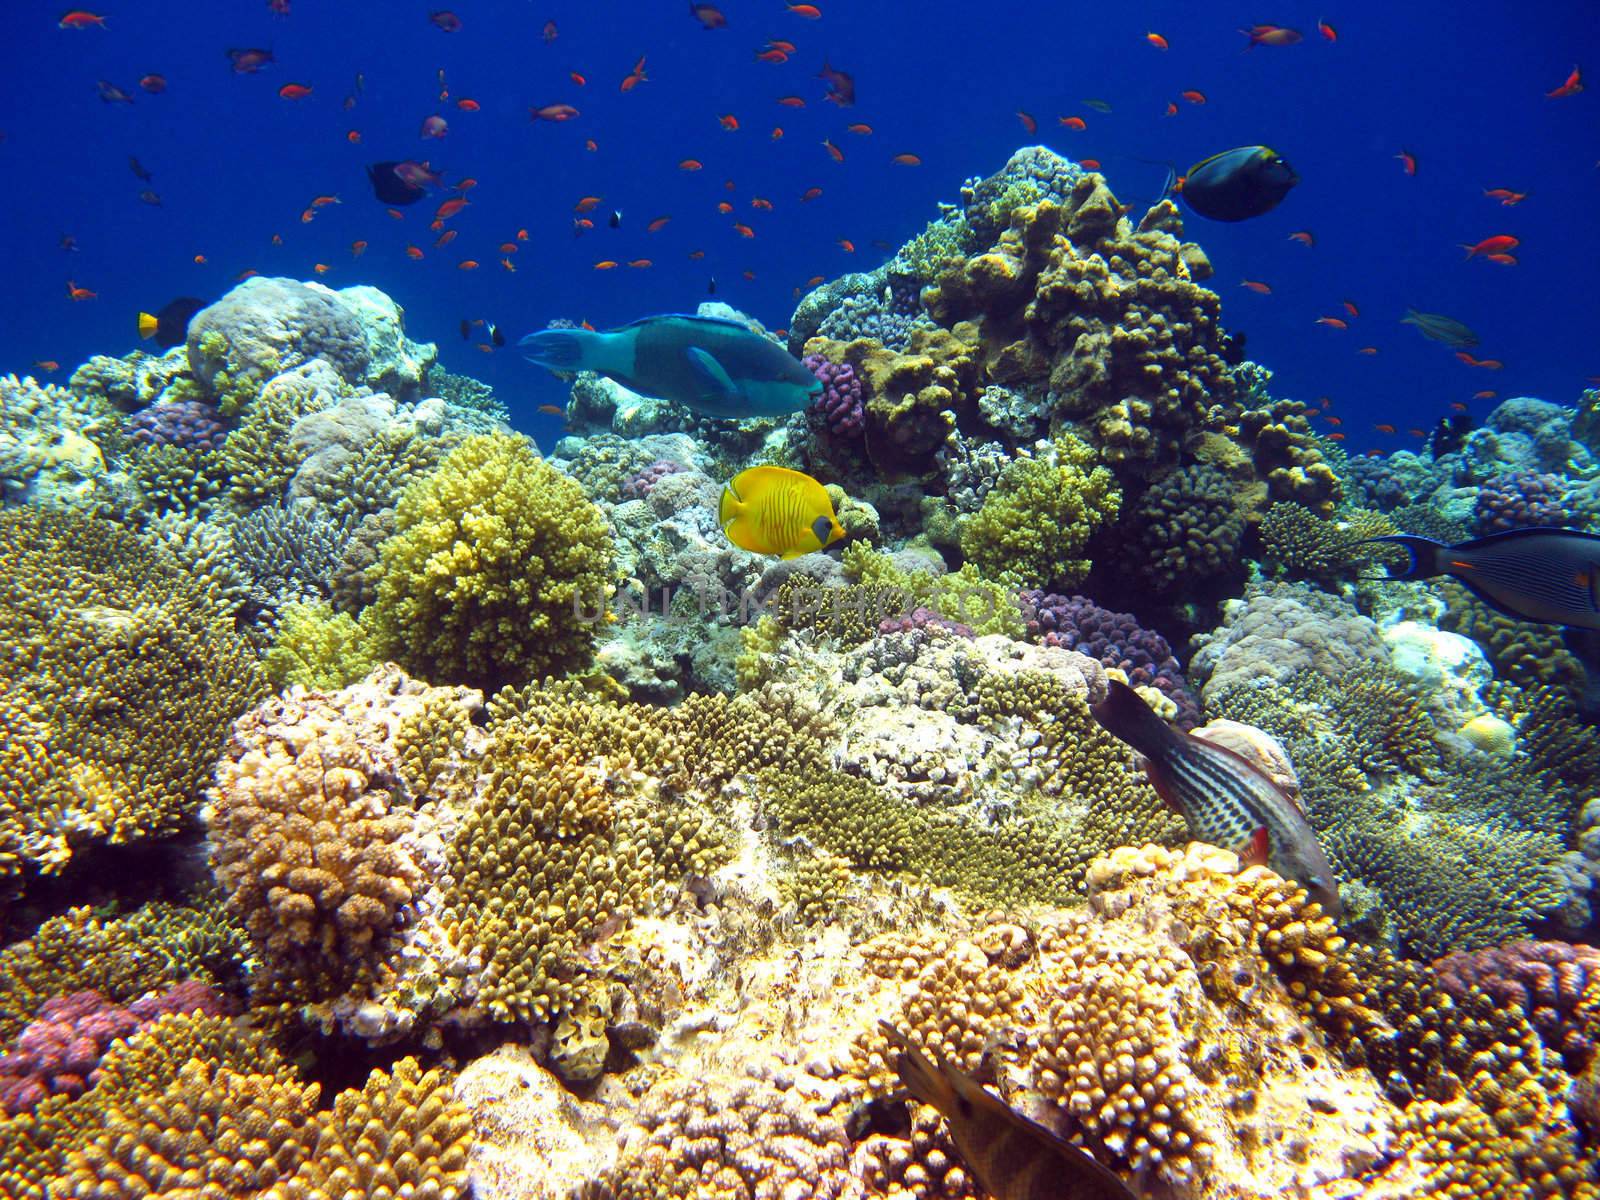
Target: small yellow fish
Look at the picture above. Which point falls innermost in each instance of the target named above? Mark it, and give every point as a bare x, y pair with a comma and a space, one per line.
1013, 1157
773, 510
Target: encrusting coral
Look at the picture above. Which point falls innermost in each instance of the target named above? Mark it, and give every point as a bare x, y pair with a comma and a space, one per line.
495, 558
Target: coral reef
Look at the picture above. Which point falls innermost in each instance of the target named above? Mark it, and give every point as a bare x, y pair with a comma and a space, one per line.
1116, 639
840, 406
1554, 986
1518, 499
494, 558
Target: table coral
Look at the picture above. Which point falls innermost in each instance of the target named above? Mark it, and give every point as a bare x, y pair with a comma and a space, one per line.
123, 677
492, 556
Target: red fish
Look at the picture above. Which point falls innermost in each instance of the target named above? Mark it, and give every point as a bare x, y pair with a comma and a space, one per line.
1029, 125
295, 91
1172, 110
554, 410
550, 33
1156, 40
728, 121
605, 264
78, 18
154, 84
1336, 437
249, 61
1271, 35
1303, 236
587, 204
1408, 161
76, 293
771, 56
445, 238
353, 137
467, 264
1193, 97
1367, 350
1350, 307
809, 11
1076, 123
690, 164
1572, 86
357, 249
1332, 322
578, 79
847, 245
1334, 421
1507, 198
434, 127
640, 264
1327, 31
1497, 244
1384, 428
446, 20
1089, 164
777, 133
791, 101
450, 208
467, 105
833, 151
413, 252
907, 160
709, 16
761, 202
553, 112
1479, 396
1504, 260
657, 225
744, 231
47, 365
724, 207
1256, 286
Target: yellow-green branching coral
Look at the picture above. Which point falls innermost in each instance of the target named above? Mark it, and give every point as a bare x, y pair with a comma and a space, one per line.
496, 569
1032, 529
317, 647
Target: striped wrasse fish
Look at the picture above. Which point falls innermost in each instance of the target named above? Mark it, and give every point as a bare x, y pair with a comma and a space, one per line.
1226, 800
1014, 1158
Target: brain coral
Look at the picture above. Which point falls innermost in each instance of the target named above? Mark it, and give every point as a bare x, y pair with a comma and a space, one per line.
120, 678
265, 326
492, 557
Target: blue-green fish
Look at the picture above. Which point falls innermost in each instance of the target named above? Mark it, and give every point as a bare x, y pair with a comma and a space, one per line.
1225, 799
1238, 184
1544, 573
717, 367
1440, 328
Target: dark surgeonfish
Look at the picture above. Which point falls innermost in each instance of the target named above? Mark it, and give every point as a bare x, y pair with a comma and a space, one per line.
1544, 573
390, 187
1014, 1158
1238, 184
1440, 328
170, 326
718, 367
1225, 799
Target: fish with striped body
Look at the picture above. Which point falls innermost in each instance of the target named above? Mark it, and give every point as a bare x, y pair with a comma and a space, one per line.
1543, 573
1225, 799
773, 510
1013, 1157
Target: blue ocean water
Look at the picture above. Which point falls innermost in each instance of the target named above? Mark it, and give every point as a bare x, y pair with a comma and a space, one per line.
234, 165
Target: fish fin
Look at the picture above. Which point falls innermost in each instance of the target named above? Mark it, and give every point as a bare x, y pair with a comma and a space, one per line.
715, 383
556, 349
1423, 550
147, 325
730, 507
1258, 853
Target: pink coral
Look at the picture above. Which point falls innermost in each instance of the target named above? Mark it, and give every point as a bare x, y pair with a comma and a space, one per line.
840, 404
59, 1052
641, 484
1555, 985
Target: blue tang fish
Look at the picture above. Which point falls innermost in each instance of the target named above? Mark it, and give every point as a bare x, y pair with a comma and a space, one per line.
718, 367
1543, 573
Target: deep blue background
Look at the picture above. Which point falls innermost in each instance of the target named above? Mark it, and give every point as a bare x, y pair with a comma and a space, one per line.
1462, 86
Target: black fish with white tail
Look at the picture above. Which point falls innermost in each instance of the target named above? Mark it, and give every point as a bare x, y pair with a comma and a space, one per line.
1544, 573
1014, 1158
1226, 800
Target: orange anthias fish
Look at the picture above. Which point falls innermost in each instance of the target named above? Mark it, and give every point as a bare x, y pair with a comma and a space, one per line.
1029, 125
1074, 123
1498, 244
833, 151
78, 18
1350, 307
1327, 31
814, 193
1271, 35
358, 248
1572, 86
587, 204
1255, 285
468, 105
657, 225
690, 164
1303, 236
1507, 198
1408, 161
1332, 322
47, 365
728, 121
554, 410
1193, 97
553, 112
450, 208
1156, 40
1384, 428
809, 11
907, 160
295, 91
791, 101
1504, 260
76, 293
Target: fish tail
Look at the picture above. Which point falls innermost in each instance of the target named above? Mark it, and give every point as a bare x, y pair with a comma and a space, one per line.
558, 349
1423, 551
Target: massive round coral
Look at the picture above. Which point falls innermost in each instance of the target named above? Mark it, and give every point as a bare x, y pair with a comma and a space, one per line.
496, 558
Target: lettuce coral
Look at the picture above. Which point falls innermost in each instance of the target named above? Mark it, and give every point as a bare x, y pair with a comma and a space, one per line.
1040, 515
494, 558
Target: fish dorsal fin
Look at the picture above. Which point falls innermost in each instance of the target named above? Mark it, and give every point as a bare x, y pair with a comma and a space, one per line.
1514, 535
717, 322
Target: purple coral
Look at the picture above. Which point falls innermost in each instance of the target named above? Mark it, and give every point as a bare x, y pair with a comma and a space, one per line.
641, 484
1115, 638
840, 404
1545, 981
187, 423
59, 1052
1519, 499
921, 617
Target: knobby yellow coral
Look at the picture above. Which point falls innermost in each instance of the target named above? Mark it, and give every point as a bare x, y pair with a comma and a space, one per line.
496, 569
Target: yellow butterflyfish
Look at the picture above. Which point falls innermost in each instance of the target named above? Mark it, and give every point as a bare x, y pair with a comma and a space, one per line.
773, 510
